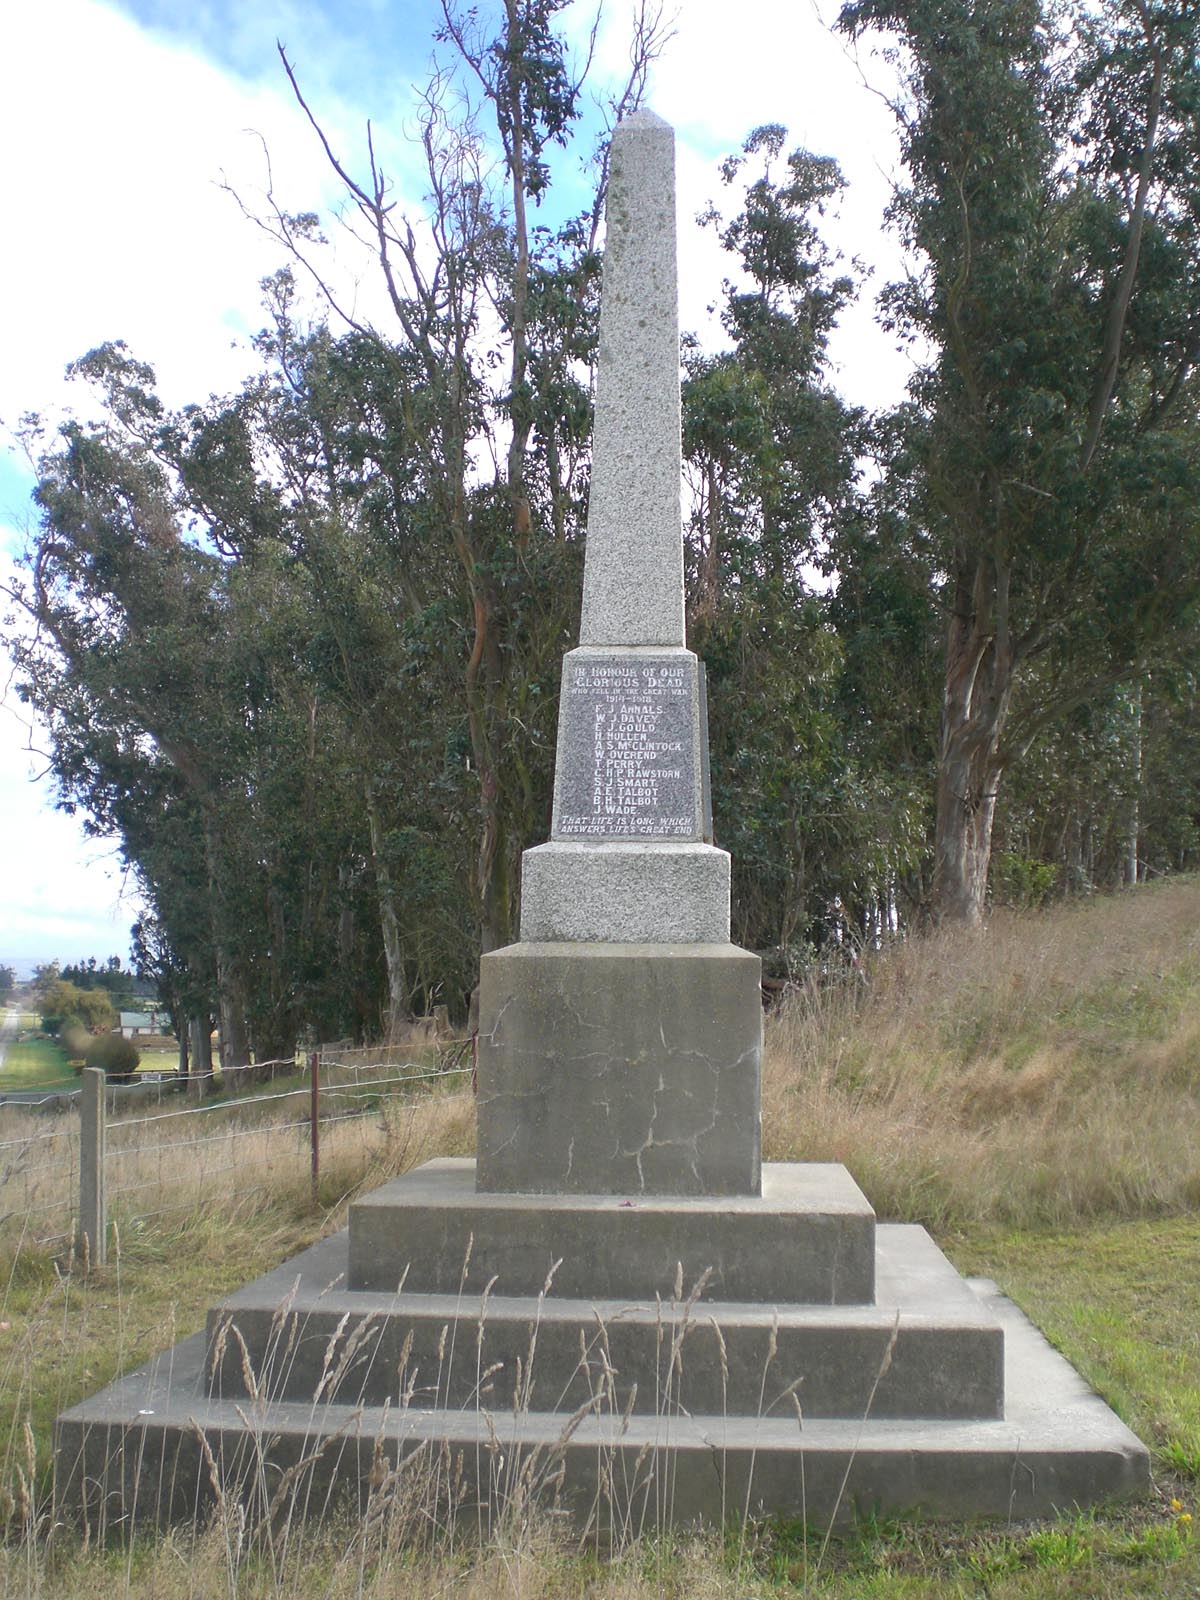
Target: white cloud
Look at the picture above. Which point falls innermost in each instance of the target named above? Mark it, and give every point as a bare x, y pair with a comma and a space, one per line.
61, 895
118, 141
730, 69
118, 138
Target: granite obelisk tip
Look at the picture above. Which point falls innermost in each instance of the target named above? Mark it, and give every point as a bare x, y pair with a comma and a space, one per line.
633, 564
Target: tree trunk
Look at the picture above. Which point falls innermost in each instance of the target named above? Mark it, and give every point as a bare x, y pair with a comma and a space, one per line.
978, 691
393, 951
494, 882
232, 1038
199, 1031
1133, 813
966, 810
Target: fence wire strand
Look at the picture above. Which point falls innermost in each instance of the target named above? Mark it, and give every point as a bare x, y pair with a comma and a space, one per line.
38, 1138
352, 1091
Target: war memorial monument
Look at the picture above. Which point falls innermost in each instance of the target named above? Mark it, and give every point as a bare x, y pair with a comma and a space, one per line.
617, 1305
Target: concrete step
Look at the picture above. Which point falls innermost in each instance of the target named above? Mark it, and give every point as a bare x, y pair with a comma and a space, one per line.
927, 1348
155, 1447
808, 1239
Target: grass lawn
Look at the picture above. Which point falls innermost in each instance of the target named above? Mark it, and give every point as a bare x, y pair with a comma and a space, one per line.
1119, 1300
158, 1059
42, 1064
36, 1064
1123, 1304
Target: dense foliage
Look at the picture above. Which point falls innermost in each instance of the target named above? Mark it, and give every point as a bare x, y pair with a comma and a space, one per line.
299, 646
1042, 484
114, 1055
65, 1006
110, 975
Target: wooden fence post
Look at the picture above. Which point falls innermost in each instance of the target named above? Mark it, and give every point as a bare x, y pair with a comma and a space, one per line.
314, 1118
91, 1243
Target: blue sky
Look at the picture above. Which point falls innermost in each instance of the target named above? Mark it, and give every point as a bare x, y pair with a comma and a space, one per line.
120, 123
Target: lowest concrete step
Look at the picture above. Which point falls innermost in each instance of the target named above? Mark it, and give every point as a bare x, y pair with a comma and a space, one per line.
927, 1348
155, 1447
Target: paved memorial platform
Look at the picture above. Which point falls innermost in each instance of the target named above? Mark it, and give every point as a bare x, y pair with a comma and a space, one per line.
617, 1308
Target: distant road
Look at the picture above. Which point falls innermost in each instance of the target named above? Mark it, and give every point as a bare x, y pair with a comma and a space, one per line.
8, 1030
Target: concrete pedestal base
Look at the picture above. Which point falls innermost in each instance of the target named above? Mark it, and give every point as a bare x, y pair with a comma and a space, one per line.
946, 1351
629, 1069
634, 1411
809, 1239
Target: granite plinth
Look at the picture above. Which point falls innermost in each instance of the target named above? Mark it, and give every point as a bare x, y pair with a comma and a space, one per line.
809, 1238
628, 1069
652, 893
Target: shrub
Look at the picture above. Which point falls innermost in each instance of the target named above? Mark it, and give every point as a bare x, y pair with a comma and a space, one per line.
1021, 881
116, 1056
75, 1039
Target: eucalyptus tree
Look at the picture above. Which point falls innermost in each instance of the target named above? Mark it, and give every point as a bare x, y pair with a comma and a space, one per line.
1110, 796
327, 440
120, 604
1045, 473
770, 452
181, 714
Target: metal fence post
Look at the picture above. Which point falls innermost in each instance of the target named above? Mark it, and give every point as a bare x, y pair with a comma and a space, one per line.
314, 1118
92, 1241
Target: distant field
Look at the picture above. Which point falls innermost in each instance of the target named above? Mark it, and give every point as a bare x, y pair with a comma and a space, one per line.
36, 1064
42, 1064
158, 1058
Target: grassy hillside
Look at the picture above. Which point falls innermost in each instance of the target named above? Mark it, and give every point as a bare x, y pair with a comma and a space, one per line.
1044, 1071
1031, 1092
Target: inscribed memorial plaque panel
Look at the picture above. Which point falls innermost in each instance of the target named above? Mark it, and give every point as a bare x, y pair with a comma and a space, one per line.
627, 766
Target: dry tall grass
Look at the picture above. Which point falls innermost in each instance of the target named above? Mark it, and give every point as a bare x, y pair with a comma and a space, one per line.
169, 1162
1043, 1070
199, 1205
339, 1563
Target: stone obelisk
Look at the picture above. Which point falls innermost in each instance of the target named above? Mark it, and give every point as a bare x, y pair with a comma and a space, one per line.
621, 1038
618, 1114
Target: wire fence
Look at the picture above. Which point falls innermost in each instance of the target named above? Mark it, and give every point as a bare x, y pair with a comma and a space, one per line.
109, 1160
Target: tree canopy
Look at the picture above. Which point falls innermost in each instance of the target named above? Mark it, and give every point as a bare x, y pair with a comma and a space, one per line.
1042, 483
298, 646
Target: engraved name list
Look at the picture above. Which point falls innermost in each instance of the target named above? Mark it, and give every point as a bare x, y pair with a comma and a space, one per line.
628, 762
